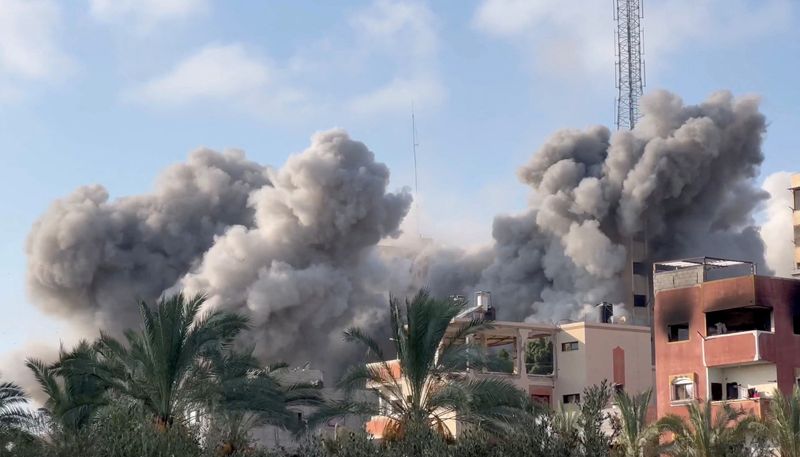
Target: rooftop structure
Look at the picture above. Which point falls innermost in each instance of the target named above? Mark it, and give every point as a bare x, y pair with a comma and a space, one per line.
723, 333
688, 272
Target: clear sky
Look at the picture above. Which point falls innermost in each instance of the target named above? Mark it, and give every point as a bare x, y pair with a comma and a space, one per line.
112, 91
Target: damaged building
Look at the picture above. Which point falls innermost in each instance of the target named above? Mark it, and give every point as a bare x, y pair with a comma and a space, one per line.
723, 333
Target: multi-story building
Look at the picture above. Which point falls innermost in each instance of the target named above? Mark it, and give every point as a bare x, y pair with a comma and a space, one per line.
723, 333
554, 363
636, 280
795, 188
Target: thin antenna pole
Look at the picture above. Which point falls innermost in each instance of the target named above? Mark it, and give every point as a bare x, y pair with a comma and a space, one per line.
414, 145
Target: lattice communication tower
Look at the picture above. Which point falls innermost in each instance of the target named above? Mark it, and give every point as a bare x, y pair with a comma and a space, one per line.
629, 67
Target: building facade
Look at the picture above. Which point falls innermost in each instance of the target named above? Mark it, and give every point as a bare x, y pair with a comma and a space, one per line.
795, 189
553, 364
723, 333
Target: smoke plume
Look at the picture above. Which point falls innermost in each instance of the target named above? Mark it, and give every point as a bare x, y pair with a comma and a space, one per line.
301, 248
683, 180
776, 231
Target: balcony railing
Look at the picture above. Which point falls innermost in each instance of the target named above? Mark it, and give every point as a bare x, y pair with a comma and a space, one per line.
738, 348
757, 407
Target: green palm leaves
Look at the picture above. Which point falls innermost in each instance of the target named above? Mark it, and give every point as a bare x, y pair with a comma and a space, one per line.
431, 356
711, 431
73, 396
636, 437
159, 362
783, 422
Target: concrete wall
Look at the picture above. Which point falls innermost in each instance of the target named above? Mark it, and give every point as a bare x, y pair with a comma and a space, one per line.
571, 365
595, 359
680, 278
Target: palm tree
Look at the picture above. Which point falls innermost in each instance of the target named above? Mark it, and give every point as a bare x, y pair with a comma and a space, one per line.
435, 389
706, 434
636, 436
73, 397
159, 366
243, 395
783, 422
14, 417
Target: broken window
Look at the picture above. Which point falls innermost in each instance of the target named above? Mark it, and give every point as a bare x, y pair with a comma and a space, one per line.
539, 356
739, 320
502, 352
678, 332
682, 389
571, 399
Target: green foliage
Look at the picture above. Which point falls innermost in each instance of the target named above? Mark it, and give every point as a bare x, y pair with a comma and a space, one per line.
594, 401
14, 417
431, 365
635, 437
73, 397
159, 366
783, 422
706, 434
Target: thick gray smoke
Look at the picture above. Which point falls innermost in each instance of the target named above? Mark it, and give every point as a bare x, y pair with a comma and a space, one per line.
92, 259
291, 247
295, 247
683, 179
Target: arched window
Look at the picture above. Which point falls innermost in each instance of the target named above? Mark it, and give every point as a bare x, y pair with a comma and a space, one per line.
682, 388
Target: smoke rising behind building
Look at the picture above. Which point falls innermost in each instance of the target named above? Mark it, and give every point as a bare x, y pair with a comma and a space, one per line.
296, 247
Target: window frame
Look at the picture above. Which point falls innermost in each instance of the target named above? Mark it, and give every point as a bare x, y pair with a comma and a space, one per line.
573, 345
575, 399
678, 340
689, 386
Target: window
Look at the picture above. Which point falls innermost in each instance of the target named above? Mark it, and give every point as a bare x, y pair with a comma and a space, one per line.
640, 301
619, 388
571, 399
716, 391
639, 269
678, 332
682, 389
570, 346
739, 320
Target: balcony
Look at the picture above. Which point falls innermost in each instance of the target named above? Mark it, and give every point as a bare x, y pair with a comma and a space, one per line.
739, 348
758, 407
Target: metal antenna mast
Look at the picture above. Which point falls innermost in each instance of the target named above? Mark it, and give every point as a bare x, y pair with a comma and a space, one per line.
414, 145
629, 67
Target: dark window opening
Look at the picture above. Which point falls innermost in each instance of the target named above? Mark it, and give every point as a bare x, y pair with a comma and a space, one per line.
572, 399
639, 269
796, 323
619, 388
732, 390
716, 391
570, 346
739, 320
678, 332
640, 301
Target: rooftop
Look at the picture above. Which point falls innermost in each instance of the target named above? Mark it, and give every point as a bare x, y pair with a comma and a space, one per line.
709, 263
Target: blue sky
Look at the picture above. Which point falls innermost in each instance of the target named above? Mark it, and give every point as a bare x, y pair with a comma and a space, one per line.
110, 92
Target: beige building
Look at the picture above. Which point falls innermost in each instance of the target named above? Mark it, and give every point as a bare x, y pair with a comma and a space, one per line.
795, 188
552, 363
